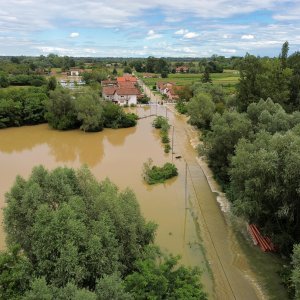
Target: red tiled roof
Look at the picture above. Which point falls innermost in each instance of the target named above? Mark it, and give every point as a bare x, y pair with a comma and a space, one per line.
109, 90
127, 84
122, 91
105, 82
127, 78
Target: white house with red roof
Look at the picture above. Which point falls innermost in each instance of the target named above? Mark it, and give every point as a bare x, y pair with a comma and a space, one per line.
123, 92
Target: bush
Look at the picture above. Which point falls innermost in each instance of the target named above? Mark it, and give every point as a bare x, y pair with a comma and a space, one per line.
154, 174
159, 121
181, 107
167, 148
165, 139
144, 100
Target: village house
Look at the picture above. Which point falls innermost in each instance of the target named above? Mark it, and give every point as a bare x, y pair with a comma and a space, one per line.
182, 69
121, 95
109, 82
169, 89
75, 71
123, 91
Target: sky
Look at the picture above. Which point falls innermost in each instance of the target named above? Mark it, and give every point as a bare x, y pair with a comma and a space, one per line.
132, 28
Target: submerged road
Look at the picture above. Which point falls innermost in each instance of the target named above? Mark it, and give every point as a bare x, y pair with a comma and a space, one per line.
232, 276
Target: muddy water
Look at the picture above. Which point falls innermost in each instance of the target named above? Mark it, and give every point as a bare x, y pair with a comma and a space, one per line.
191, 226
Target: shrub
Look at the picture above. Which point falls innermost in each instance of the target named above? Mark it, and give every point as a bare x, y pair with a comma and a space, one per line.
167, 148
165, 139
155, 174
160, 122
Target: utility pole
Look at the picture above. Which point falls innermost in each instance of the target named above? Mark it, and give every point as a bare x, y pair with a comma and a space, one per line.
185, 189
172, 143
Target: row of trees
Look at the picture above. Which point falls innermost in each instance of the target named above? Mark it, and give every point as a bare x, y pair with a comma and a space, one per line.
61, 108
277, 78
22, 106
253, 146
21, 79
71, 237
66, 110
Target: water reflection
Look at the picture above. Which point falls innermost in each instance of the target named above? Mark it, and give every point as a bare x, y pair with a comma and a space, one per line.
64, 146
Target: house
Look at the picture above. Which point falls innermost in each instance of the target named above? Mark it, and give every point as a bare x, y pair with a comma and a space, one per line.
127, 78
109, 82
75, 71
121, 95
182, 69
122, 91
169, 89
163, 87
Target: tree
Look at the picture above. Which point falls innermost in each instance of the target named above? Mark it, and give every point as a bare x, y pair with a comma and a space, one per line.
164, 74
115, 72
89, 111
52, 83
264, 181
296, 270
15, 273
284, 54
206, 76
159, 277
112, 287
201, 109
127, 69
74, 229
60, 110
4, 81
220, 142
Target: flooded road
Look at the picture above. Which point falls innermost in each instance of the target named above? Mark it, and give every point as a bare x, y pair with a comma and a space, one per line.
192, 226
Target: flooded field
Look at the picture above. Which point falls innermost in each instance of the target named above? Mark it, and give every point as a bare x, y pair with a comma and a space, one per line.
191, 226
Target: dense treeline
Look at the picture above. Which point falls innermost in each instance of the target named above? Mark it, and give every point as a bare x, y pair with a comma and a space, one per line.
71, 237
62, 109
66, 110
252, 143
22, 106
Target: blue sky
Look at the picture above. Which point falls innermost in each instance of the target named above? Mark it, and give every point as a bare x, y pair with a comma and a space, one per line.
132, 28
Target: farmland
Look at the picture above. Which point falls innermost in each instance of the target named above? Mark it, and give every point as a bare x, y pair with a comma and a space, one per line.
228, 79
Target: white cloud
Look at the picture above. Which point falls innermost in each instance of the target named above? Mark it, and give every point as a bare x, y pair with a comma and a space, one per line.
181, 31
153, 35
228, 50
247, 37
74, 35
191, 35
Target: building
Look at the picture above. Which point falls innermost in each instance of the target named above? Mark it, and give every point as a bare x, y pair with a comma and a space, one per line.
127, 78
71, 83
75, 71
182, 69
121, 95
123, 91
169, 89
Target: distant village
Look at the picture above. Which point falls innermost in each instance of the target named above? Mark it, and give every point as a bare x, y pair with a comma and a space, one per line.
123, 90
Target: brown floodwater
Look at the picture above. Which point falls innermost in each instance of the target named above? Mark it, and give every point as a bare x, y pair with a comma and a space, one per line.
190, 220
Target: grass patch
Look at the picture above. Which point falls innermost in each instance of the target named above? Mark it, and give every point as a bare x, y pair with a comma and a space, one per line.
154, 174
